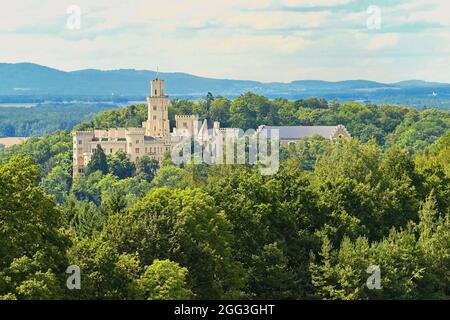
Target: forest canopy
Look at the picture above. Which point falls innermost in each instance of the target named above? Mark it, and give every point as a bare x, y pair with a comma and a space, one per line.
151, 230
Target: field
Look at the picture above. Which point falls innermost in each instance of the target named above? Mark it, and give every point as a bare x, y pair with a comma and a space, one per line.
10, 141
17, 105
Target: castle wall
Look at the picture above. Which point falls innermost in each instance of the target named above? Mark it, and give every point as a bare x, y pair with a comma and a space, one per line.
186, 125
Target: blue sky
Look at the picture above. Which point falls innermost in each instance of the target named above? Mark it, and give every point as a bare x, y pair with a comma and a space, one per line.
266, 40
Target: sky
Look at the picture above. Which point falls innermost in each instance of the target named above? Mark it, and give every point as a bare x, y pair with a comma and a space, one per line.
264, 40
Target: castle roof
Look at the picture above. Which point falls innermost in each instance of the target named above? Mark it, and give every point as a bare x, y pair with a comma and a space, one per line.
298, 132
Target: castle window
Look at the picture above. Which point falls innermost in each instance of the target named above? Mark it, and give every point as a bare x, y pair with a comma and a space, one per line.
154, 117
137, 141
154, 108
80, 142
111, 150
137, 150
185, 125
156, 92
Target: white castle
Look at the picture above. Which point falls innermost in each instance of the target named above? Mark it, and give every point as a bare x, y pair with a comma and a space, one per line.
154, 139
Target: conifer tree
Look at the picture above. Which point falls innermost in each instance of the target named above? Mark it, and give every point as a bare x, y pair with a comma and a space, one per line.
98, 162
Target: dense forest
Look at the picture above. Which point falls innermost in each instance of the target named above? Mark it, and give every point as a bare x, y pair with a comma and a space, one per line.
46, 118
150, 230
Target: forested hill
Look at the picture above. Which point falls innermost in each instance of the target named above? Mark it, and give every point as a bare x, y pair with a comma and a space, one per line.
31, 81
149, 230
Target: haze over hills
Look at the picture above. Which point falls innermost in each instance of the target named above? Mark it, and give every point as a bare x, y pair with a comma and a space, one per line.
30, 81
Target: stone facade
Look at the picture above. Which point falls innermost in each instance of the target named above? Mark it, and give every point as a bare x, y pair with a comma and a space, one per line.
157, 124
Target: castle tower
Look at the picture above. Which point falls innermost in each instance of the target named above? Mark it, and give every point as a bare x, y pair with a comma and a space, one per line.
157, 124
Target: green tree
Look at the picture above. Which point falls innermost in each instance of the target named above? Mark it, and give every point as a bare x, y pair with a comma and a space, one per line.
106, 274
270, 274
248, 111
220, 111
168, 176
32, 246
164, 280
98, 162
85, 187
146, 168
185, 227
57, 183
414, 262
209, 101
120, 166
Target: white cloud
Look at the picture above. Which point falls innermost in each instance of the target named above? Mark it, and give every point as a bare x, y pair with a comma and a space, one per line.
383, 41
316, 3
249, 39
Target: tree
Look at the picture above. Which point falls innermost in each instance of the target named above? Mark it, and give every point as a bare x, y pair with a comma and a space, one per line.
146, 168
30, 278
168, 176
414, 262
107, 274
85, 187
270, 275
209, 101
57, 183
164, 280
113, 202
308, 150
420, 130
220, 111
83, 217
32, 246
358, 192
47, 152
434, 244
120, 166
183, 226
248, 111
98, 162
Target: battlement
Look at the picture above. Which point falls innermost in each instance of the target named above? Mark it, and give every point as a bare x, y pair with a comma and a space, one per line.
79, 133
187, 116
135, 131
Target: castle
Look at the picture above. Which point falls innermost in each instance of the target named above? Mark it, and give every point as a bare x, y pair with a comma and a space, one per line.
154, 139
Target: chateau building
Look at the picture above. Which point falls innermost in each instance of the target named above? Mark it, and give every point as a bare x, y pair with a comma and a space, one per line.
154, 139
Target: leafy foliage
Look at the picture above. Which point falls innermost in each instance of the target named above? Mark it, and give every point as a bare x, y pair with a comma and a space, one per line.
159, 231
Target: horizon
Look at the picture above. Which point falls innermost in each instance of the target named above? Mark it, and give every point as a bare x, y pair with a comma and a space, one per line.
263, 40
213, 78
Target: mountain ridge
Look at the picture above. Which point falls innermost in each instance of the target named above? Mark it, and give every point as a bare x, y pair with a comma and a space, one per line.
30, 79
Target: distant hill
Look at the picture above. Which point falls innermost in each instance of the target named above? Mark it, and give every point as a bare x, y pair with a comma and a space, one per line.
31, 80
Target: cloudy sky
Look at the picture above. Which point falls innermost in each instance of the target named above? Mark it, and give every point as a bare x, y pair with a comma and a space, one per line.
266, 40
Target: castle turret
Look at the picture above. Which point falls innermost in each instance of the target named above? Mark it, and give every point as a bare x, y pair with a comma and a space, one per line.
157, 124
